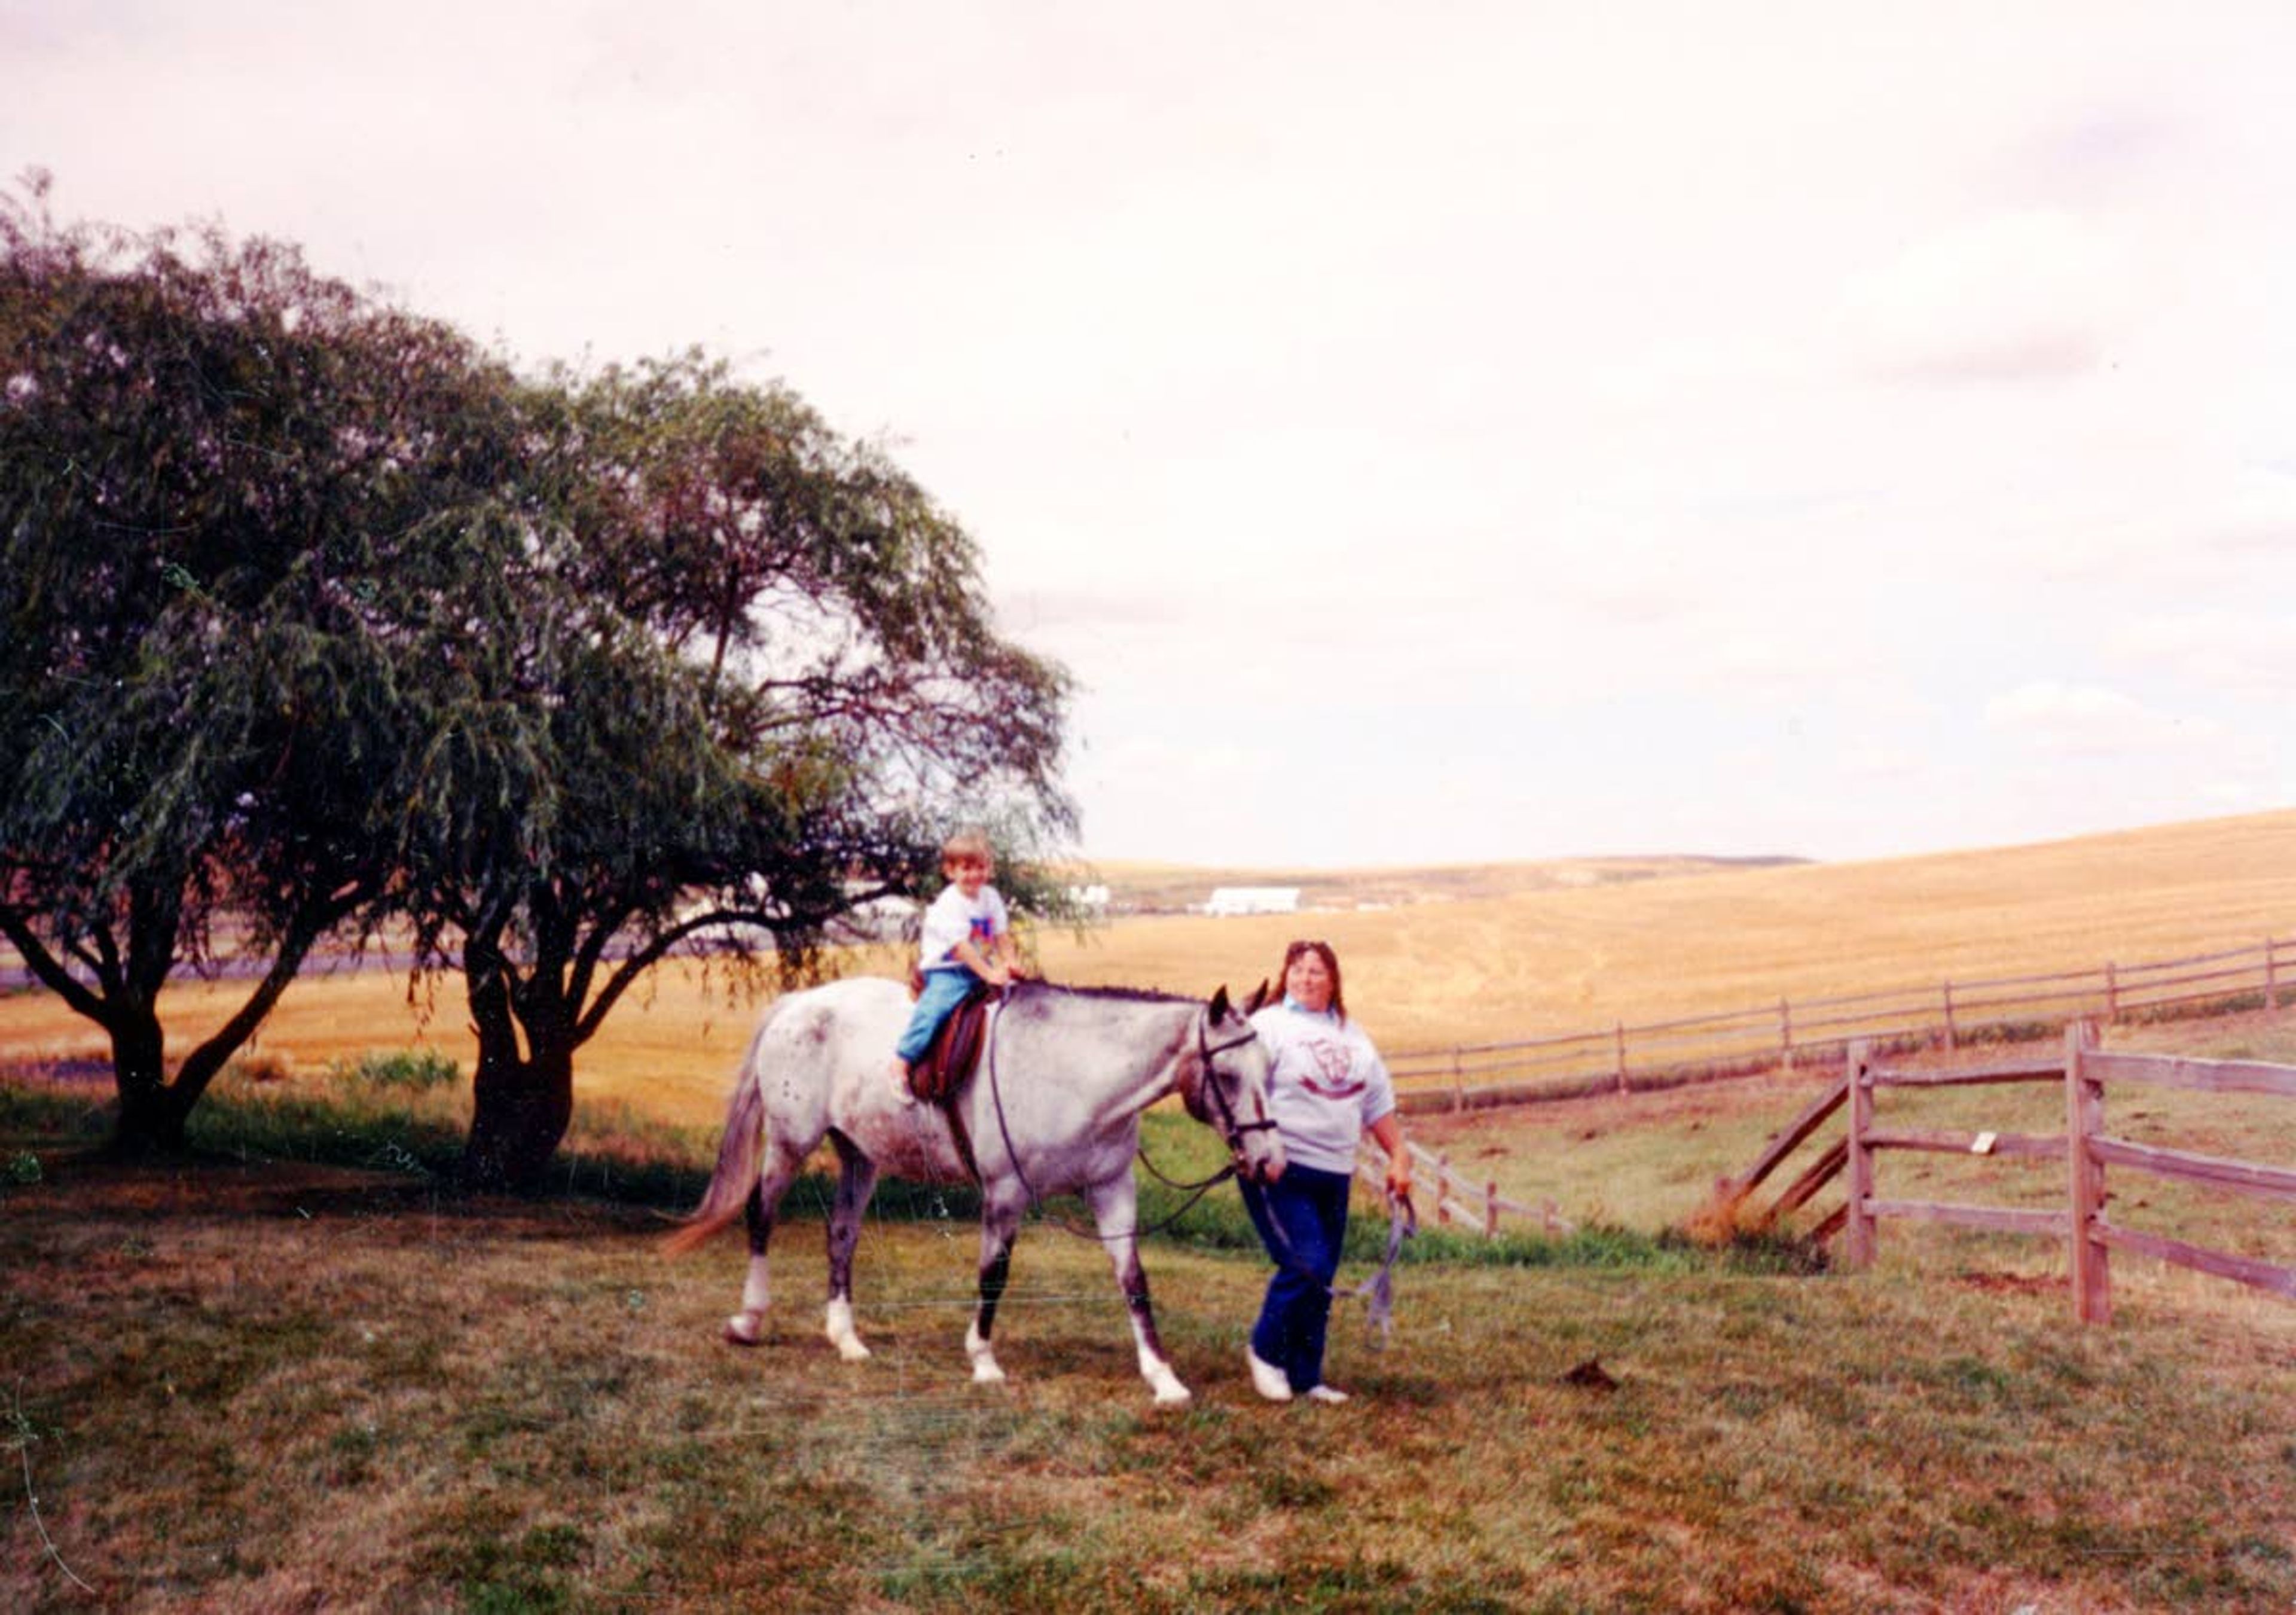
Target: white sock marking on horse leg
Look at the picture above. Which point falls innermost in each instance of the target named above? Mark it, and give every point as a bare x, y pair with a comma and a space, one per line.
985, 1371
1158, 1373
745, 1327
1166, 1384
840, 1331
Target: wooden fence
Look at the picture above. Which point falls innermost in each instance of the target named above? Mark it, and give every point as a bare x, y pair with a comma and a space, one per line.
2086, 1071
1453, 1200
1620, 1058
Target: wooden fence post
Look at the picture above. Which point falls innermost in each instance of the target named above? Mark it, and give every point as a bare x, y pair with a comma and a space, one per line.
2092, 1274
1458, 1081
1442, 1189
2111, 993
2271, 982
1491, 1209
1785, 1034
1619, 1041
1952, 1036
1857, 1229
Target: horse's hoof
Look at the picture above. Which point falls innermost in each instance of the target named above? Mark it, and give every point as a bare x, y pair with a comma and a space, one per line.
742, 1330
853, 1351
987, 1374
1175, 1395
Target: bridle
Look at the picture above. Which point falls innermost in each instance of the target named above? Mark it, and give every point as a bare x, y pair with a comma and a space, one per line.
1403, 1219
1232, 1133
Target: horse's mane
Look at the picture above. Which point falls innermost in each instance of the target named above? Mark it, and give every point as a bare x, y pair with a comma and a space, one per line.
1121, 995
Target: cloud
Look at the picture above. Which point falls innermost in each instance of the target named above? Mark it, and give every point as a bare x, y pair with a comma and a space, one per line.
1034, 613
2031, 295
1172, 796
2229, 651
2090, 720
2260, 523
1532, 420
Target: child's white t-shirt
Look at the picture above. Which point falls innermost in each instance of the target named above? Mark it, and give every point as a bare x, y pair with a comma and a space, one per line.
952, 918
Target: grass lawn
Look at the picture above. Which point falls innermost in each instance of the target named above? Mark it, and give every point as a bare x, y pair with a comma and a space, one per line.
299, 1376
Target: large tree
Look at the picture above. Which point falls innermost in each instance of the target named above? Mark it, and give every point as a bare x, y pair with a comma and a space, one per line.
222, 476
769, 678
314, 615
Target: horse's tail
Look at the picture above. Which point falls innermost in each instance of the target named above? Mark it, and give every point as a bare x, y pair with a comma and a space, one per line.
736, 1177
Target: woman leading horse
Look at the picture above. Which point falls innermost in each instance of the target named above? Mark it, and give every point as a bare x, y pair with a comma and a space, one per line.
1329, 1086
1054, 1108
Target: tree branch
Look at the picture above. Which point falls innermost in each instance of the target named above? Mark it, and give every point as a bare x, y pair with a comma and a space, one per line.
626, 974
200, 1065
50, 970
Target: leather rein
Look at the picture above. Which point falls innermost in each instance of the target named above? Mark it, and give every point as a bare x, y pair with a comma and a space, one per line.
1232, 1133
1403, 1217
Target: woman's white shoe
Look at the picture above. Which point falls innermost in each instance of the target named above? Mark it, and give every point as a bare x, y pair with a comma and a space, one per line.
1326, 1393
1267, 1379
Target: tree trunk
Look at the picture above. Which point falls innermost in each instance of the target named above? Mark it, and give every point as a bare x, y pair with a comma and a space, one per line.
520, 1112
151, 1114
520, 1103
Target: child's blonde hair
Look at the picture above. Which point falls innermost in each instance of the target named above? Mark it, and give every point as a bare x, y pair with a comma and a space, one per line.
969, 842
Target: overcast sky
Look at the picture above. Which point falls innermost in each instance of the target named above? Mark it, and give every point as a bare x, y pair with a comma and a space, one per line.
1428, 432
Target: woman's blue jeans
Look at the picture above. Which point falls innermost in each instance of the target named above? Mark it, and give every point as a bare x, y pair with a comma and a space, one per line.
943, 990
1310, 1207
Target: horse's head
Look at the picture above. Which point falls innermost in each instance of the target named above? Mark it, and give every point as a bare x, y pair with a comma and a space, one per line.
1227, 1086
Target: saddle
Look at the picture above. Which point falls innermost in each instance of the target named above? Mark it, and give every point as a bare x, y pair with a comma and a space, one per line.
949, 1059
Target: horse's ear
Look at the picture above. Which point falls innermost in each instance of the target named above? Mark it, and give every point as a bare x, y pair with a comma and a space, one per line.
1253, 1004
1219, 1004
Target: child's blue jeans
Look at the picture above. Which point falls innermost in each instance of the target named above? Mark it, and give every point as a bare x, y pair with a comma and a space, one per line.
943, 990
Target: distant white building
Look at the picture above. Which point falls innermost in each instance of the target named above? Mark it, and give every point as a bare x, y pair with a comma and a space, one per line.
1094, 897
1253, 900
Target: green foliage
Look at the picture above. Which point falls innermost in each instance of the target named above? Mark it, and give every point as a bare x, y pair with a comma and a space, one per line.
379, 1130
398, 1069
48, 1112
226, 484
315, 614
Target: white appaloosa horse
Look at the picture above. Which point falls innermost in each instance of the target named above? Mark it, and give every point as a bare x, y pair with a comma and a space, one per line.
1053, 1107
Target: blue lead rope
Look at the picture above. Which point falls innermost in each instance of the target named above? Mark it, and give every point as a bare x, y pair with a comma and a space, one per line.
1379, 1289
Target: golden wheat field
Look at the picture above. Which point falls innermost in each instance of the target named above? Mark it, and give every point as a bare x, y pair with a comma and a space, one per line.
1440, 965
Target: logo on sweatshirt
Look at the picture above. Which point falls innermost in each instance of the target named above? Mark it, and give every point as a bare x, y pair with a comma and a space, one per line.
1335, 1066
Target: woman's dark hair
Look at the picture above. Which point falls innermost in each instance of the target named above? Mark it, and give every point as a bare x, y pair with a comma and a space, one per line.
1322, 950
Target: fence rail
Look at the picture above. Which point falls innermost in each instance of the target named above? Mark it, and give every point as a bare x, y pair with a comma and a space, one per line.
2086, 1073
1664, 1054
1457, 1200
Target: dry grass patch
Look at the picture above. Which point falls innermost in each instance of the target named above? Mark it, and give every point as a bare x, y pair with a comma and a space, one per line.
1530, 963
250, 1386
1543, 962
